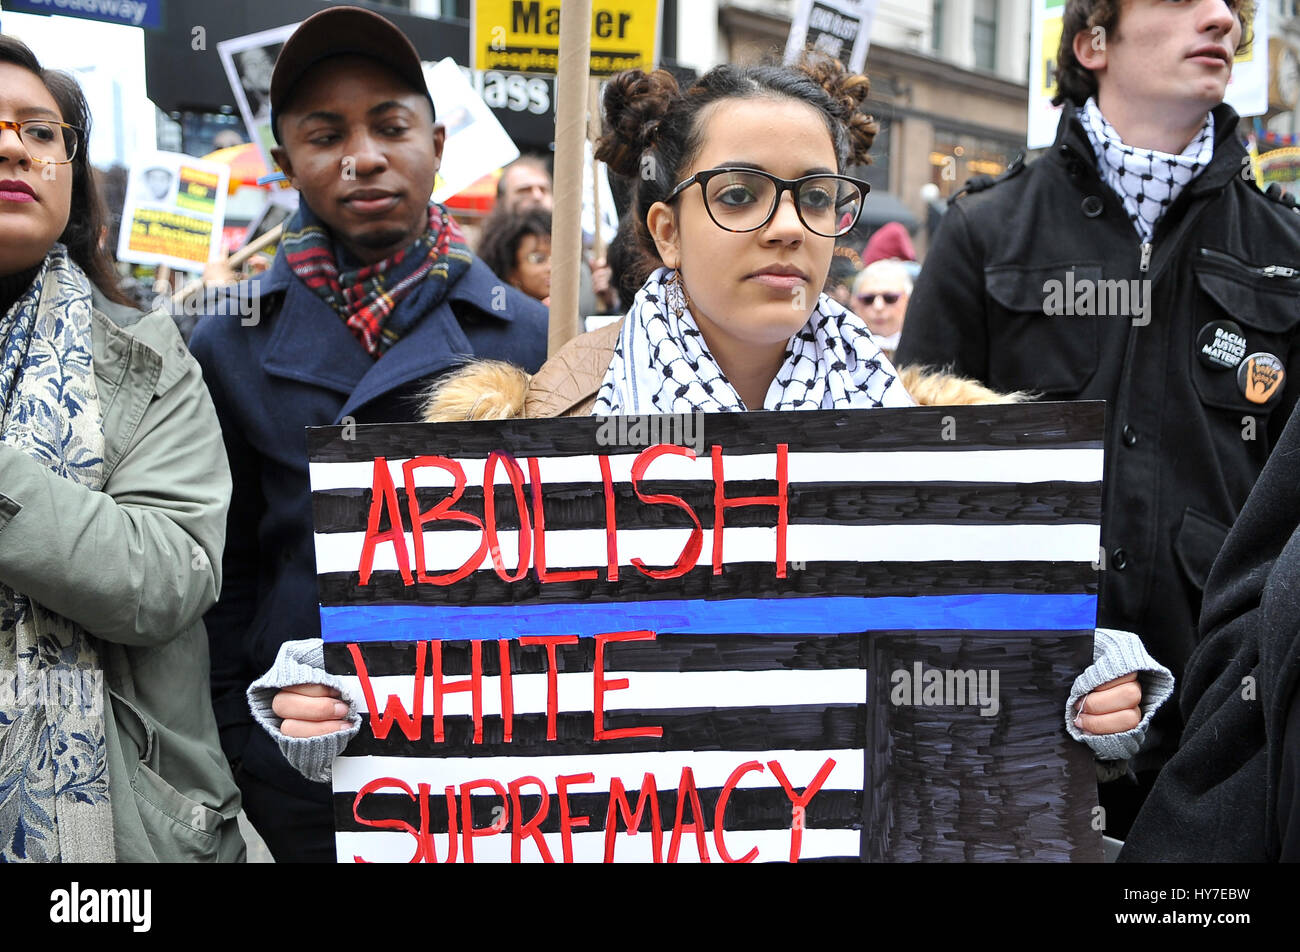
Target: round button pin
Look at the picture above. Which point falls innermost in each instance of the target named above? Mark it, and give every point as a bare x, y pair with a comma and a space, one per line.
1220, 345
1260, 377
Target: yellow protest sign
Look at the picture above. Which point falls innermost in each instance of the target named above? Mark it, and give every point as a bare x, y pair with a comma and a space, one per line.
523, 36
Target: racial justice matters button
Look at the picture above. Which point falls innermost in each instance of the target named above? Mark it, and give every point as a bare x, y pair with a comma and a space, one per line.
1221, 345
1260, 377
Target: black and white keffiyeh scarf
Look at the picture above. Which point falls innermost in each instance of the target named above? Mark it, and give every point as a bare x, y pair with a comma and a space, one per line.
1148, 181
661, 363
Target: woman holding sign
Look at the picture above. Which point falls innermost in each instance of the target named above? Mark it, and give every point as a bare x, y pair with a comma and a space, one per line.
738, 197
115, 489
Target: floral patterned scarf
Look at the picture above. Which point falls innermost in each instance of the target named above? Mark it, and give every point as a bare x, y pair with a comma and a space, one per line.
54, 803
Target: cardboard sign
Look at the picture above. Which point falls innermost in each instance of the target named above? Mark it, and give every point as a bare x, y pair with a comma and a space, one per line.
249, 62
732, 637
175, 211
839, 28
524, 35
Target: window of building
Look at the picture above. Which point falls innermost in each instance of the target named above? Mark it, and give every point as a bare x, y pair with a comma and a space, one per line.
936, 18
985, 34
957, 157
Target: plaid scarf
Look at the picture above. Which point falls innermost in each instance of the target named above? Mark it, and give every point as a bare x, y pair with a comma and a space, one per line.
366, 298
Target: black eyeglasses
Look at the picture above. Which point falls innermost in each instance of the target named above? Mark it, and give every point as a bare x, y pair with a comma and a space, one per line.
46, 141
870, 299
743, 200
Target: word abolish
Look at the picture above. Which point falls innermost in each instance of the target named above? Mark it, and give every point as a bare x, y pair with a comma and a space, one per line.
532, 518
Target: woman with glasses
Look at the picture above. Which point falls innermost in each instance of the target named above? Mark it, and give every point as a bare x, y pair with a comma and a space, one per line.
880, 293
738, 196
115, 488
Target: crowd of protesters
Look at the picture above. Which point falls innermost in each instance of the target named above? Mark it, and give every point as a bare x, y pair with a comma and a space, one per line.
161, 466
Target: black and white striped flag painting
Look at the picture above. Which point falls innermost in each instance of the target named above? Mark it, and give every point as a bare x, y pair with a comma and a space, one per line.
758, 636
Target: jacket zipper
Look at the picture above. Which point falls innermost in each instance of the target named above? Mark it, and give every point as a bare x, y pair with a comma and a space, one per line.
1270, 271
1145, 264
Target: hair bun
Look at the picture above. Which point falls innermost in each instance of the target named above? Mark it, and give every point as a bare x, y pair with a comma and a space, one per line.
849, 91
635, 104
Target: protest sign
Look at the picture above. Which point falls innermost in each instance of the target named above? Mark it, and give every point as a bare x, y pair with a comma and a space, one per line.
476, 144
1247, 91
249, 62
727, 637
524, 35
838, 28
175, 211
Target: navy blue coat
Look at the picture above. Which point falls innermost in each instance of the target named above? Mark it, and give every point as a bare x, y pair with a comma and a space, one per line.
299, 365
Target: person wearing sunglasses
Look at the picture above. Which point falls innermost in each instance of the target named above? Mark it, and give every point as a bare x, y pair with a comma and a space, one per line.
735, 223
115, 492
880, 294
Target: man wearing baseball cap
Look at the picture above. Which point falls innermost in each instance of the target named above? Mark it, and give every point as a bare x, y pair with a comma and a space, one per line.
373, 293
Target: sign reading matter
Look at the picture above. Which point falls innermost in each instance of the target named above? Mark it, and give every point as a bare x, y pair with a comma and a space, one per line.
524, 35
174, 213
734, 637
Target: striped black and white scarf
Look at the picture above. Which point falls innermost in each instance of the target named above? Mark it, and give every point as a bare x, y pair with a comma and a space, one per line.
662, 364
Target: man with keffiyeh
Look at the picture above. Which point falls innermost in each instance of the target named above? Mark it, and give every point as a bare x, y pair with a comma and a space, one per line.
373, 294
1148, 189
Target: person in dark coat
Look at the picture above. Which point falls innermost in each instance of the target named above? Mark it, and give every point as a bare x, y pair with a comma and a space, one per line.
1232, 792
1138, 263
372, 294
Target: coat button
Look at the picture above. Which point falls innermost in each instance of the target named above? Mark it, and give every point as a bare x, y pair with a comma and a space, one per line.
1119, 559
1092, 206
1130, 435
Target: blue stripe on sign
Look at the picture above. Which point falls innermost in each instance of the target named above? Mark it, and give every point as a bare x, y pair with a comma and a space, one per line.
818, 616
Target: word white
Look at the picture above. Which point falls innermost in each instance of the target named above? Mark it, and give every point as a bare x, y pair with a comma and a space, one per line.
63, 687
653, 429
945, 688
103, 905
1088, 298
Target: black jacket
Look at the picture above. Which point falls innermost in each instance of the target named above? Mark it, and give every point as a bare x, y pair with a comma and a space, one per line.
1229, 794
1184, 445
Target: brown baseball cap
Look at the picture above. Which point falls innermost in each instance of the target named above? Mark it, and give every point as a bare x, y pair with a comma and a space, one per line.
337, 31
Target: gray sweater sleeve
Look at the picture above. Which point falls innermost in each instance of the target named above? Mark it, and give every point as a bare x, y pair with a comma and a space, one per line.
302, 662
1115, 654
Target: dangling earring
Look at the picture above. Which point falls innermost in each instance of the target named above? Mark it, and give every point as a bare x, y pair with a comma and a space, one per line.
676, 297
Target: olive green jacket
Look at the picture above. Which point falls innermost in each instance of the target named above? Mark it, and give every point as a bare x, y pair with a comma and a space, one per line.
136, 565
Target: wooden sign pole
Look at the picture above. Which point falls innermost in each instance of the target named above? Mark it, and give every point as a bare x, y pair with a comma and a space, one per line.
570, 134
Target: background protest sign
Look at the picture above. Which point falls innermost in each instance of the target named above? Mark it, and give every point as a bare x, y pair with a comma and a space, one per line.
524, 35
174, 213
249, 62
477, 144
758, 635
839, 28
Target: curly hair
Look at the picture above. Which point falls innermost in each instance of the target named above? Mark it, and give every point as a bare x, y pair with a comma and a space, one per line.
1076, 84
653, 128
504, 231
